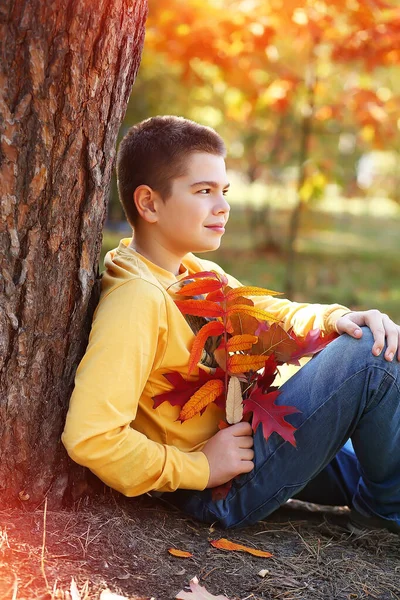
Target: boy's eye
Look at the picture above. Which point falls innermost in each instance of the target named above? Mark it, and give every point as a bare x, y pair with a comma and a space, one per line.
204, 191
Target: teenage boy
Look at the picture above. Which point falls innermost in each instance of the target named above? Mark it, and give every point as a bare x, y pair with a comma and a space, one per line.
173, 184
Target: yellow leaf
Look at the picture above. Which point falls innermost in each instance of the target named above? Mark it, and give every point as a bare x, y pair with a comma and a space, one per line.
241, 363
238, 343
202, 398
258, 313
224, 544
250, 291
234, 402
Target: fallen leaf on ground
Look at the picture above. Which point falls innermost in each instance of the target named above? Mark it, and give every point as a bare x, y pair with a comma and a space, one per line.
198, 592
224, 544
179, 553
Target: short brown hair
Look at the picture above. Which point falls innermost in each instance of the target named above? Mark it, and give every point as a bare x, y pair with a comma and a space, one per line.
154, 153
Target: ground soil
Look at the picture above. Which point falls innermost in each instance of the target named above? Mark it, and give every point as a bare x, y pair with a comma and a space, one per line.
120, 544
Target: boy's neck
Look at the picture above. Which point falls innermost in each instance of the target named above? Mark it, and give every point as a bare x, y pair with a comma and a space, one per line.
152, 250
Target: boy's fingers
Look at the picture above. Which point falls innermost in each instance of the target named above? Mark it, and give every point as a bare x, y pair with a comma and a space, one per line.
392, 337
239, 429
246, 441
247, 455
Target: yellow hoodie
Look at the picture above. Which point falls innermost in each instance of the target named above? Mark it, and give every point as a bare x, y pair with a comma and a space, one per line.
137, 335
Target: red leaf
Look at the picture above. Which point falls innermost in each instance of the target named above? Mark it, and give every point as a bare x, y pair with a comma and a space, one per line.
221, 491
217, 296
203, 286
212, 328
183, 389
274, 339
265, 380
311, 344
201, 275
200, 308
270, 415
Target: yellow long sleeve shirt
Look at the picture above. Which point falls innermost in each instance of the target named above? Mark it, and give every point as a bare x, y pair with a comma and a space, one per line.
137, 335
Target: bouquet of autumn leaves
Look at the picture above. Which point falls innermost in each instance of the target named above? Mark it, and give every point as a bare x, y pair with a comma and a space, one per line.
251, 344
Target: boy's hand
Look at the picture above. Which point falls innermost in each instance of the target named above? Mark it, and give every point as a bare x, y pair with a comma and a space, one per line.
229, 453
381, 326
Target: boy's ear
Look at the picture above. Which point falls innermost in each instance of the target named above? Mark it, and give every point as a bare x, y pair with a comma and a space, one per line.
145, 200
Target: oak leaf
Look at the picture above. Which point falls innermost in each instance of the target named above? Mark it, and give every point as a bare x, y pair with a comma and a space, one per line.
274, 339
198, 592
311, 344
224, 544
220, 492
270, 415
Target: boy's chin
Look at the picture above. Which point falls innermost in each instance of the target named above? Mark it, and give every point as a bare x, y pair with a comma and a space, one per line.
208, 248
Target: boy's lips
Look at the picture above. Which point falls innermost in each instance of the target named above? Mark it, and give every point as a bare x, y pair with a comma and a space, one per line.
220, 227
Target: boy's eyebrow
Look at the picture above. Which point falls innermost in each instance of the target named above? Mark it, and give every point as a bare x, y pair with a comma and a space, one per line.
212, 184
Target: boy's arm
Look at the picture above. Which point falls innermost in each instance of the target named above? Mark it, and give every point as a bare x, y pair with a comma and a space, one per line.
301, 316
124, 346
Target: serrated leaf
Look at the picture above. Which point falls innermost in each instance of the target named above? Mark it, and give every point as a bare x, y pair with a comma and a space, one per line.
199, 287
224, 544
200, 308
201, 399
198, 592
252, 311
180, 553
234, 401
211, 328
184, 389
217, 296
238, 343
250, 291
242, 363
270, 415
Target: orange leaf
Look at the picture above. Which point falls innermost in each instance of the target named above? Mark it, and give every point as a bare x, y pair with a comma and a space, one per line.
180, 553
201, 399
241, 363
212, 328
202, 286
238, 343
224, 544
200, 308
258, 313
250, 291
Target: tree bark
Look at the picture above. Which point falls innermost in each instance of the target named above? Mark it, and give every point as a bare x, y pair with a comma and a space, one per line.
66, 72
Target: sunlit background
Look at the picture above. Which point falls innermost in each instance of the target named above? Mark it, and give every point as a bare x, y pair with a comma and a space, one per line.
306, 95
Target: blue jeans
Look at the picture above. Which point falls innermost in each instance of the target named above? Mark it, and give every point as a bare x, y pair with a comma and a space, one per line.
343, 392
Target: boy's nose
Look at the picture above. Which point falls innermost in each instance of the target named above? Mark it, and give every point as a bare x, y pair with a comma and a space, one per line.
222, 206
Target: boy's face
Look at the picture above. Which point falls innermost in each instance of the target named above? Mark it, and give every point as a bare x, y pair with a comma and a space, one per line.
193, 218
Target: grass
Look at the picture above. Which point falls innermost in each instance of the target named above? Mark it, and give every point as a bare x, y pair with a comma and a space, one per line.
352, 259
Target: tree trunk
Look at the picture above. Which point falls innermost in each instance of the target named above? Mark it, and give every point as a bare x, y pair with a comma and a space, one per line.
304, 153
66, 72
